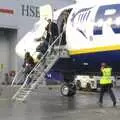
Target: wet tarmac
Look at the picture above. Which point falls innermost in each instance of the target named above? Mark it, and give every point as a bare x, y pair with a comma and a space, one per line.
48, 104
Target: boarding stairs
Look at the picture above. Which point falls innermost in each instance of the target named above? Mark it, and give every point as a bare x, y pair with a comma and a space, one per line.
37, 75
18, 79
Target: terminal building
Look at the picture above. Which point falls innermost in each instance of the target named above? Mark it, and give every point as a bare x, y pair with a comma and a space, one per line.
17, 17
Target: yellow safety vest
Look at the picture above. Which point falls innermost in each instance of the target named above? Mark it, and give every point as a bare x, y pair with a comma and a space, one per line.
106, 78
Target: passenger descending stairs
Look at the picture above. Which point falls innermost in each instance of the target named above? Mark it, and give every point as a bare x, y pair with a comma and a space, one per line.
37, 75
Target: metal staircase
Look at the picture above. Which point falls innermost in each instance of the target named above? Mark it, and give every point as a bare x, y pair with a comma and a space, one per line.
37, 75
18, 78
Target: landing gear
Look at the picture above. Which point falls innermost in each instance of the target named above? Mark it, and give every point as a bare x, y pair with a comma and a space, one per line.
68, 89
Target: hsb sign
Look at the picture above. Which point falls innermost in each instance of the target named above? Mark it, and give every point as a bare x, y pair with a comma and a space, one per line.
30, 10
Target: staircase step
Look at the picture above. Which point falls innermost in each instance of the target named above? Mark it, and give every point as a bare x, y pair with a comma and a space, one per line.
37, 75
20, 99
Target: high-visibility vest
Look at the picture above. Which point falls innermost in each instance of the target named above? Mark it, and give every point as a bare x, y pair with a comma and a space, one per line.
106, 78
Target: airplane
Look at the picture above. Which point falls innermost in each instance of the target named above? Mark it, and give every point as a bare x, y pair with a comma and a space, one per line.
92, 37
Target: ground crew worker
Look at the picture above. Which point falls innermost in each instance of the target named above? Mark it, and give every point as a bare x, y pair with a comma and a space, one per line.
106, 83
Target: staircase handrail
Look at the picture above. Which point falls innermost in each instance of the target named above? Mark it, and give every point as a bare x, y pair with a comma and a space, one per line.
16, 75
34, 84
38, 64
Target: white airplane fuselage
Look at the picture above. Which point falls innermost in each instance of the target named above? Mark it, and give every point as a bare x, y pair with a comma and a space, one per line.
92, 36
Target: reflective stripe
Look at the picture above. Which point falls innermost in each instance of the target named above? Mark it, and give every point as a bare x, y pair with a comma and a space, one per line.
106, 78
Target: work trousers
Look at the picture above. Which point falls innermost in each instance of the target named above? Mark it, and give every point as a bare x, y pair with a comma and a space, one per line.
26, 72
107, 88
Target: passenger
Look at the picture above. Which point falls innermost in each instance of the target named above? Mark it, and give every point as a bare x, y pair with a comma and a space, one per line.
106, 84
63, 29
11, 76
7, 79
28, 60
42, 47
52, 34
28, 64
63, 26
52, 31
38, 58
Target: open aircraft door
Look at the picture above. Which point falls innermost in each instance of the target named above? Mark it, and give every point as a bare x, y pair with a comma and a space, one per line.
46, 12
35, 33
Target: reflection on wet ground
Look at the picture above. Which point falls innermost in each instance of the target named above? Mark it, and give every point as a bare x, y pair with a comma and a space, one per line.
46, 104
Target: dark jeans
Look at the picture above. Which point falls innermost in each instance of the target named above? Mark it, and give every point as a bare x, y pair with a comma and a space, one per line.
26, 72
107, 88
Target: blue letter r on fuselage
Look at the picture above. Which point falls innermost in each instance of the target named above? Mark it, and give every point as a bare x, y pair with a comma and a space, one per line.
101, 15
